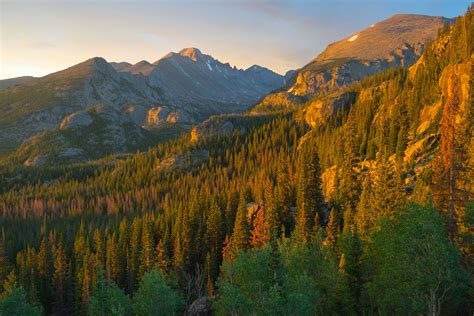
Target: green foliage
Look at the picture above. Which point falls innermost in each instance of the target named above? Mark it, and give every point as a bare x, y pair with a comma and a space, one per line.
155, 297
306, 282
416, 267
15, 303
108, 299
247, 286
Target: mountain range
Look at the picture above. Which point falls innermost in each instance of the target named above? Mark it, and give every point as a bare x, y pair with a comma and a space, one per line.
163, 98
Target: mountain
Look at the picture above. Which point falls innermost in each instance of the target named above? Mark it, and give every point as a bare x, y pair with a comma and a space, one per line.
7, 83
41, 104
84, 135
180, 88
397, 41
192, 79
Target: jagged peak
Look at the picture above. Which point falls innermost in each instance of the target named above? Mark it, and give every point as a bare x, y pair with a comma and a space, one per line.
192, 53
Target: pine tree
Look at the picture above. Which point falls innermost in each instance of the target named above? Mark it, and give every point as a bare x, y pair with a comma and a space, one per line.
352, 252
387, 191
112, 260
348, 185
271, 212
283, 194
108, 299
259, 233
8, 283
215, 228
365, 216
61, 280
332, 231
134, 254
241, 236
310, 198
44, 270
147, 248
15, 303
162, 261
5, 266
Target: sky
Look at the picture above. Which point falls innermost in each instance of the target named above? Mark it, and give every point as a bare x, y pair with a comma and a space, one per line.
38, 37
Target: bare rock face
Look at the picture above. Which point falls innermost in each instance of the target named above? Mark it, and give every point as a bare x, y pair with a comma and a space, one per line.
35, 161
320, 109
277, 101
156, 116
252, 208
216, 126
454, 83
179, 161
136, 113
81, 118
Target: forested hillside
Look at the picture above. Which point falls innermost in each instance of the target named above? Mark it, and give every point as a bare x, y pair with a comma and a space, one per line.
358, 202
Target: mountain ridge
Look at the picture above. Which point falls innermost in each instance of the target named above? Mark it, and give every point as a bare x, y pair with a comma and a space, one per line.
182, 88
398, 41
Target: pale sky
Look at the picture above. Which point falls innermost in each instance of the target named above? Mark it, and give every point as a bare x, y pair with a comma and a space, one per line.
43, 36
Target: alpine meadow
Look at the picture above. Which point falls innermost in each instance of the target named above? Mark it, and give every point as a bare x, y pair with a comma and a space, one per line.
188, 186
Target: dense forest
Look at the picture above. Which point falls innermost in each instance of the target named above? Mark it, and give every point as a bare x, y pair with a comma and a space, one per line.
247, 224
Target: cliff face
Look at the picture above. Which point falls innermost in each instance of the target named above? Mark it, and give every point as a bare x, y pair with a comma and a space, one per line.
423, 144
454, 84
320, 109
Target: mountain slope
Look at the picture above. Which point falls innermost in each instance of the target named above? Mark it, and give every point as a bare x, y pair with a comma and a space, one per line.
41, 104
88, 134
394, 42
7, 83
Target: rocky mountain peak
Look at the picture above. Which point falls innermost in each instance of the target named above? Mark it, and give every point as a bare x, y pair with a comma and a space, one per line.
379, 40
97, 62
192, 53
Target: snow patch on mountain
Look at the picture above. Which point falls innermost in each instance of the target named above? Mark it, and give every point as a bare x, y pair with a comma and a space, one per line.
209, 66
353, 38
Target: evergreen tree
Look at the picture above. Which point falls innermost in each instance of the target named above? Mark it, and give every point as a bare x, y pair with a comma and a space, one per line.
155, 297
107, 299
259, 233
332, 231
283, 194
5, 266
162, 261
310, 197
365, 217
241, 236
147, 248
348, 185
60, 281
416, 277
351, 259
14, 302
387, 191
